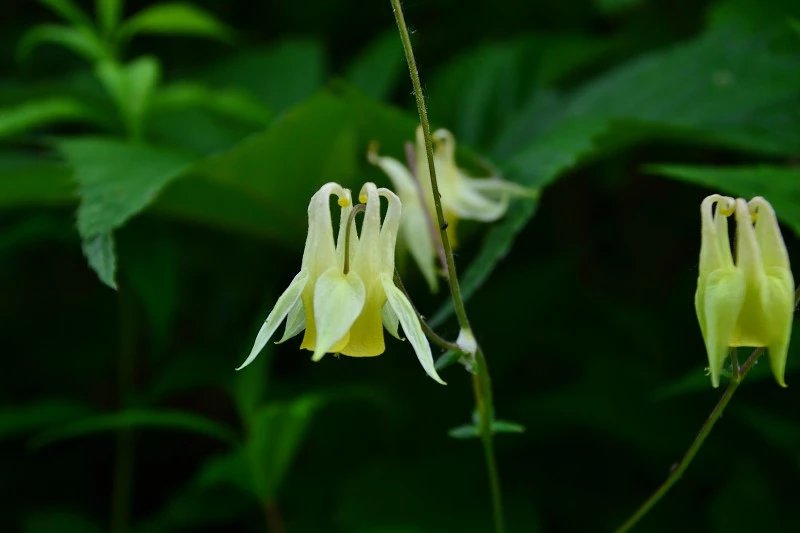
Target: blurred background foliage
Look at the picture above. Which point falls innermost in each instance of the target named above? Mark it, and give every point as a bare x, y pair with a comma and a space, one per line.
170, 149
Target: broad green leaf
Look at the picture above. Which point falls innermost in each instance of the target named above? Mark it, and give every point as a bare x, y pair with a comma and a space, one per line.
108, 14
35, 114
275, 432
378, 68
33, 181
175, 18
232, 469
81, 41
231, 102
131, 87
25, 419
278, 76
137, 418
69, 11
481, 92
536, 166
99, 252
779, 185
723, 77
477, 88
262, 186
719, 80
116, 180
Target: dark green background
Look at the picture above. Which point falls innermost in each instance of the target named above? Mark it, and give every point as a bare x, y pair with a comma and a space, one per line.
588, 322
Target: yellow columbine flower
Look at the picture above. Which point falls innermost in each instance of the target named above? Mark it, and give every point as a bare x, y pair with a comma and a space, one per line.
345, 294
749, 302
463, 197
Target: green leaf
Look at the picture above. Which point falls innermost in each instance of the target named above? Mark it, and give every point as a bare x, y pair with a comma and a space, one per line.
175, 18
108, 14
378, 68
116, 180
275, 433
467, 431
99, 252
131, 87
28, 116
472, 431
779, 185
24, 419
536, 166
232, 469
722, 78
81, 41
69, 11
137, 418
31, 180
279, 76
447, 359
262, 185
231, 103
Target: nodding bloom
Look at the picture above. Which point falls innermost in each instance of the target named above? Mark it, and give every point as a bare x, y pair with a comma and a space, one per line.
344, 294
749, 302
462, 196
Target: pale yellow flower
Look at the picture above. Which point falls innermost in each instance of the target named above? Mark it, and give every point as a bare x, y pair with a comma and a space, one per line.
344, 294
462, 197
749, 302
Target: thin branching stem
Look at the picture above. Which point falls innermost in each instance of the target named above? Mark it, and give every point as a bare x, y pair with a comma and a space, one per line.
432, 335
481, 381
738, 374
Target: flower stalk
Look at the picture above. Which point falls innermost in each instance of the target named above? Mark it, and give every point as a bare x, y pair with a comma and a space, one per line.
738, 373
481, 380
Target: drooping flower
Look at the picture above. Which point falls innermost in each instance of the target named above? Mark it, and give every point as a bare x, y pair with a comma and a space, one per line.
344, 294
462, 196
749, 302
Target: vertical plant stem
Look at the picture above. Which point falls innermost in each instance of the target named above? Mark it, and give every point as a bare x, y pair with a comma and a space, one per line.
738, 375
124, 452
482, 386
273, 517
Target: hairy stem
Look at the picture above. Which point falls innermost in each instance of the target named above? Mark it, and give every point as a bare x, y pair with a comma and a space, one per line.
432, 335
481, 383
737, 376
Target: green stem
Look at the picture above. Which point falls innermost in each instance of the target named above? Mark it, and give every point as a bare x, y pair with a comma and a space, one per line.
432, 335
481, 382
273, 517
738, 375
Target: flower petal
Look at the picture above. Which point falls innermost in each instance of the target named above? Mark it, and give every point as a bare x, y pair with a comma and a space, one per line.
719, 301
295, 322
411, 326
390, 321
338, 300
283, 306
